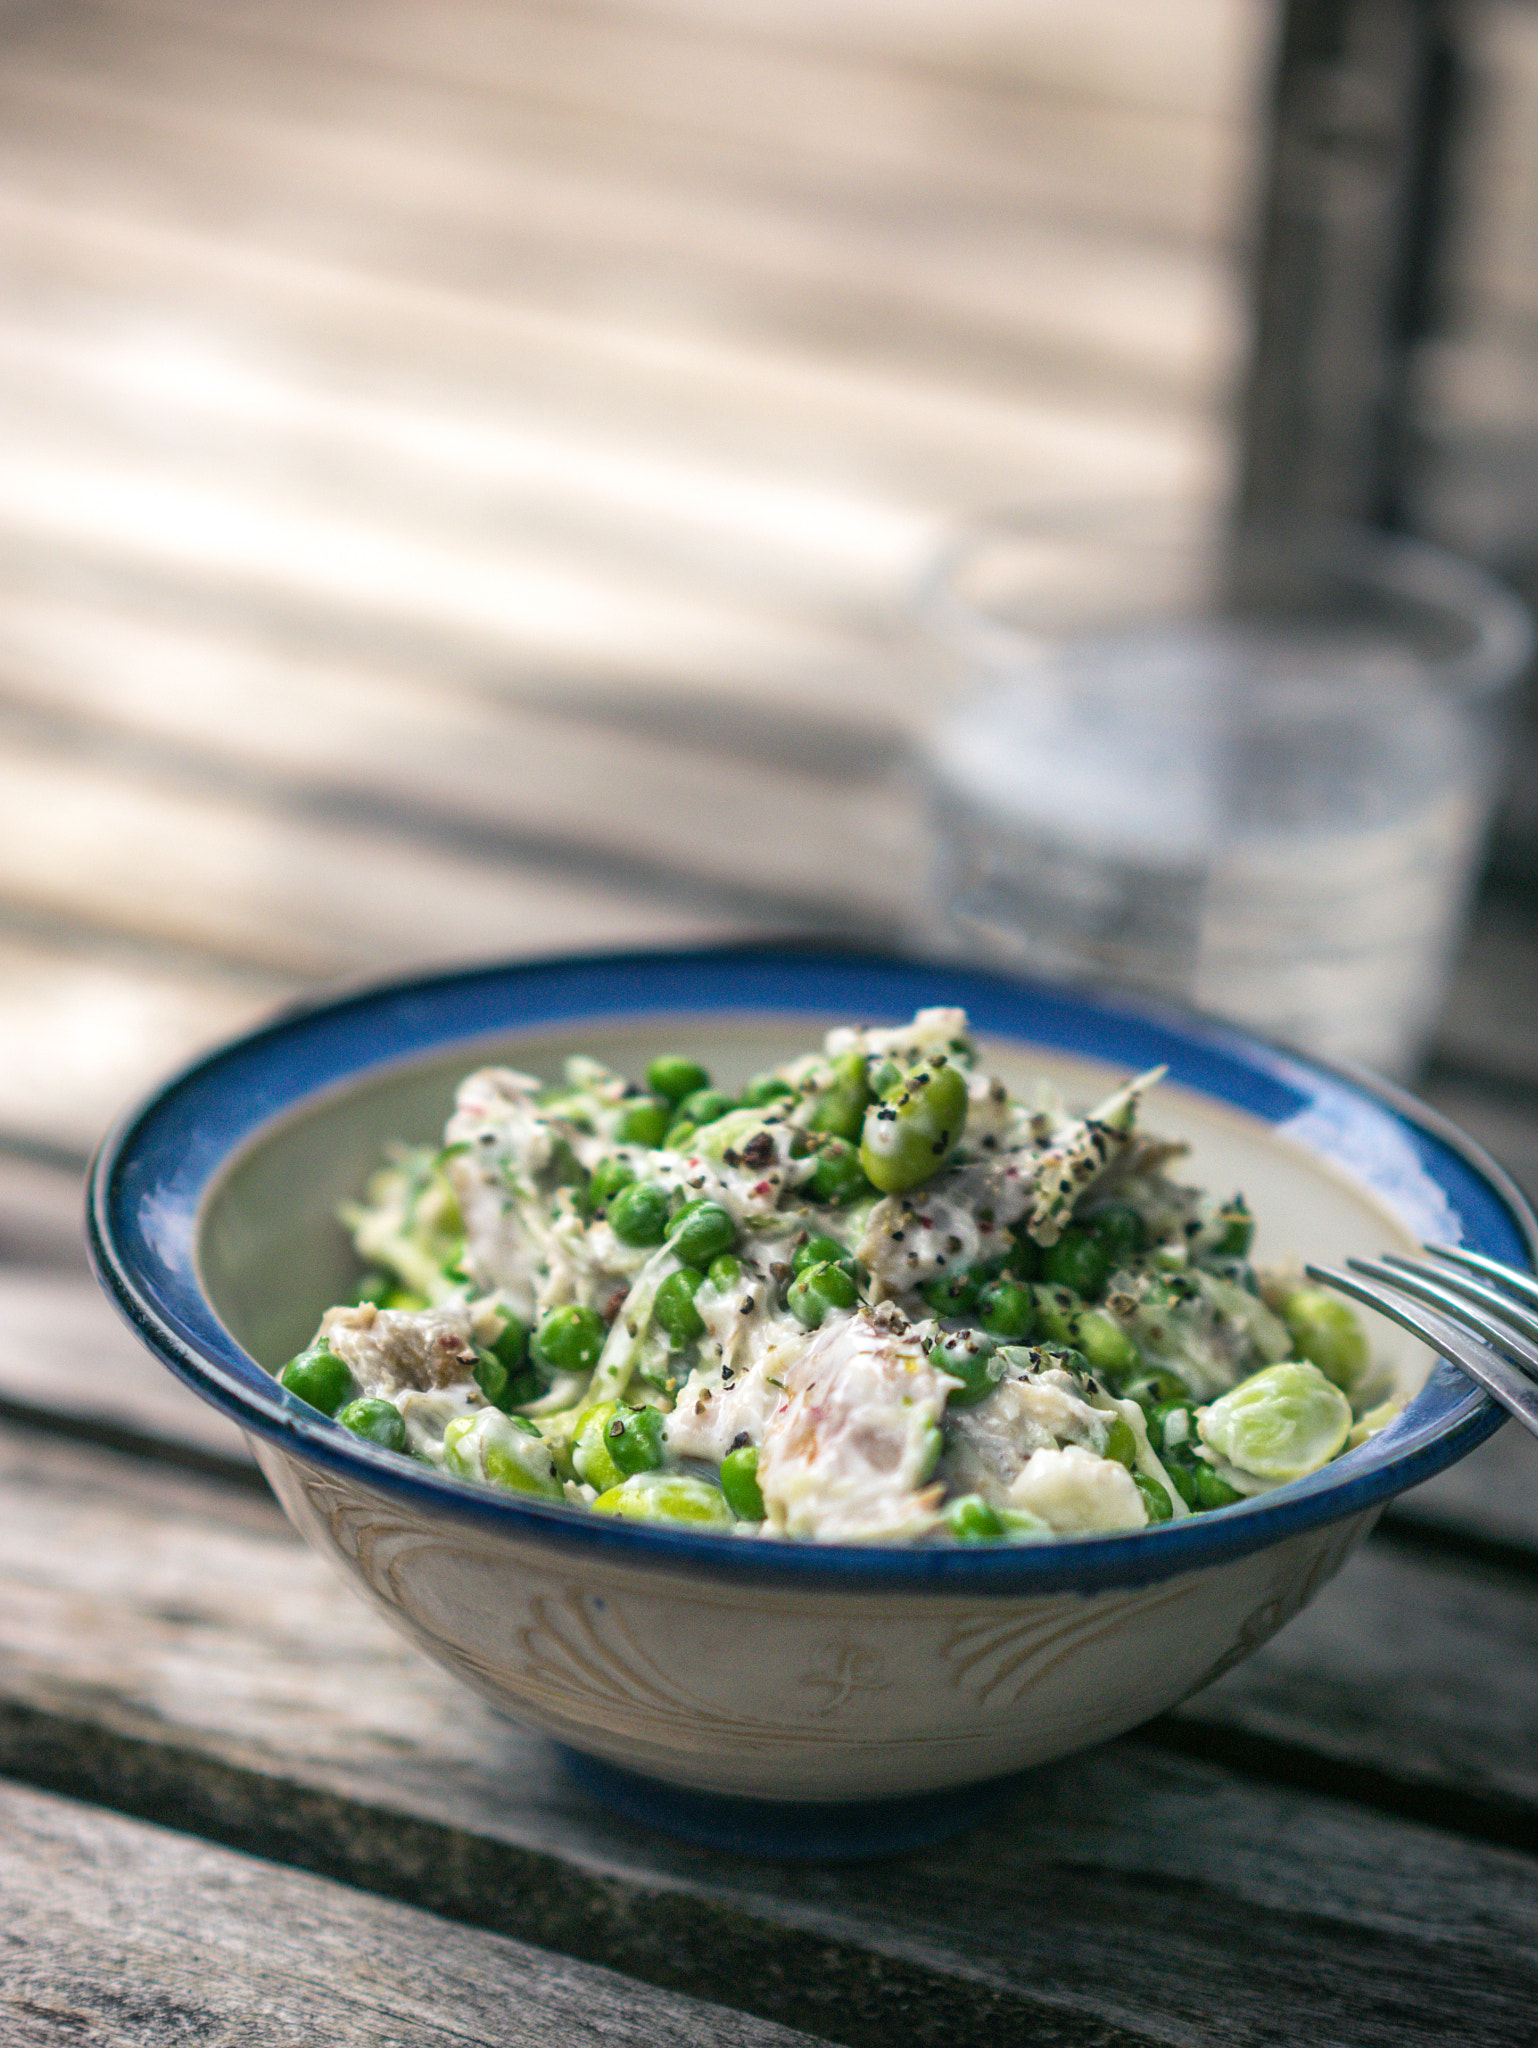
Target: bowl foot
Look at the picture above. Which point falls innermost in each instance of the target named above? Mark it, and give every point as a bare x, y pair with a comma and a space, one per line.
808, 1830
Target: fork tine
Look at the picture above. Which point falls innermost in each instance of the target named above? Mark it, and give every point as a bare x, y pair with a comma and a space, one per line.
1511, 1305
1464, 1301
1514, 1391
1519, 1283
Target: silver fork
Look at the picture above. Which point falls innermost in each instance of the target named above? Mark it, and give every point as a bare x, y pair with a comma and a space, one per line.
1474, 1314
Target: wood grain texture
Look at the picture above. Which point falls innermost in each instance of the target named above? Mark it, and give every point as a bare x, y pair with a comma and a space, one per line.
1490, 1497
169, 1648
68, 1359
1413, 1680
131, 1936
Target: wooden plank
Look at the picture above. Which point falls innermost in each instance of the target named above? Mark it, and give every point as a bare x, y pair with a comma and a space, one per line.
135, 1937
1489, 1497
425, 756
773, 101
97, 283
957, 266
1415, 1679
175, 668
170, 1649
41, 1200
88, 1024
1186, 65
1492, 256
199, 867
500, 499
67, 1358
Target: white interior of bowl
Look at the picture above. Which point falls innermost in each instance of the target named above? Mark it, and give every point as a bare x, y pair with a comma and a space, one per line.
273, 1256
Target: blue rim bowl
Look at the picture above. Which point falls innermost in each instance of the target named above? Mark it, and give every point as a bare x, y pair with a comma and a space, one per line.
157, 1171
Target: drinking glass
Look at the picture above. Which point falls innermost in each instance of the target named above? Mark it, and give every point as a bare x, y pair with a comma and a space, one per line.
1249, 771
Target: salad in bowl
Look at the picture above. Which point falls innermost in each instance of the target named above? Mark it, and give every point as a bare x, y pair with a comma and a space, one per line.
873, 1295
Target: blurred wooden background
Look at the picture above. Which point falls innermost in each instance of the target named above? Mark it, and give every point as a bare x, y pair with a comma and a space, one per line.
459, 465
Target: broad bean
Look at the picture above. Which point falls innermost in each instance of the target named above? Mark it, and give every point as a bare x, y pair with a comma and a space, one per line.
912, 1130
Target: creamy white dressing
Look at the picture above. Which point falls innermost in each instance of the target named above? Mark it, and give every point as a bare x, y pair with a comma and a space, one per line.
850, 1448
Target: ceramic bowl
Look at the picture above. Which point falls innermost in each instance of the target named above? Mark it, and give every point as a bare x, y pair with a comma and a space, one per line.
850, 1694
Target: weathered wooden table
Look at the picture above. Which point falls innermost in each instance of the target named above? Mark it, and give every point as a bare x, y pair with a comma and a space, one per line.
454, 466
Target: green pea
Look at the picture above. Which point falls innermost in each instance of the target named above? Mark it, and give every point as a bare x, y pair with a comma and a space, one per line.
1182, 1476
565, 1169
1326, 1333
765, 1088
953, 1294
491, 1376
971, 1520
1235, 1232
885, 1078
1006, 1310
1110, 1351
912, 1130
568, 1340
818, 1251
817, 1291
1078, 1260
1172, 1425
840, 1109
1121, 1442
673, 1078
674, 1307
667, 1497
591, 1459
511, 1346
680, 1135
379, 1421
1057, 1312
522, 1380
1063, 1358
608, 1177
319, 1377
739, 1482
644, 1121
633, 1439
612, 1442
1155, 1499
700, 1231
704, 1106
932, 1451
1211, 1491
971, 1358
724, 1273
838, 1176
1119, 1229
1153, 1386
1024, 1259
638, 1215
